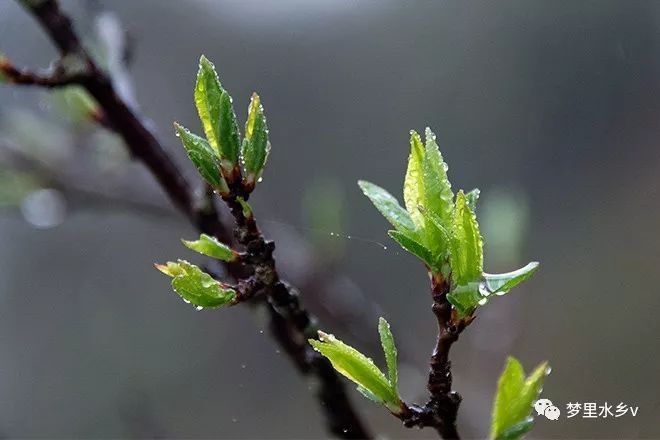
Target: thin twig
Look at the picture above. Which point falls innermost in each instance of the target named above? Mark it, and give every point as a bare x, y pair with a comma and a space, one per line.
441, 410
290, 322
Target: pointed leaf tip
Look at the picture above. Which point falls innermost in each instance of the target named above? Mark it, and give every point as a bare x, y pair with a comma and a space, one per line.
388, 206
503, 282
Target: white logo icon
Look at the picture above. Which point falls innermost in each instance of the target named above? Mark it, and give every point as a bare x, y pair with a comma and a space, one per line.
546, 408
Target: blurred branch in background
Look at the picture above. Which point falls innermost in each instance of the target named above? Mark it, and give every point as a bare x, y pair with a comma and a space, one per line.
116, 111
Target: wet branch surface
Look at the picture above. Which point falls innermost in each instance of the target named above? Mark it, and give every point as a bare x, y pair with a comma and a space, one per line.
291, 325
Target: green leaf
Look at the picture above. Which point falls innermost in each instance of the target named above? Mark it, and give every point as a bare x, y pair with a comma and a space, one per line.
389, 348
414, 247
210, 246
202, 156
438, 196
75, 103
413, 184
503, 282
197, 287
216, 112
358, 368
171, 269
466, 258
441, 237
388, 206
465, 298
256, 145
512, 408
472, 197
368, 394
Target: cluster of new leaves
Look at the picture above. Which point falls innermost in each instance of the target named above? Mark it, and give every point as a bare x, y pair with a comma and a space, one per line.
441, 228
219, 157
512, 408
194, 285
370, 380
224, 163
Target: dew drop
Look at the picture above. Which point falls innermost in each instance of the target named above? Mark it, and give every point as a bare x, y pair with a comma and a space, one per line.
198, 308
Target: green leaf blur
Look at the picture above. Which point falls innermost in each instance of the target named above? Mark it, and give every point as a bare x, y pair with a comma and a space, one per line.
512, 408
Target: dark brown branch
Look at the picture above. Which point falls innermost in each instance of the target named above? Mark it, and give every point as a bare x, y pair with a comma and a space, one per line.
441, 410
57, 78
290, 322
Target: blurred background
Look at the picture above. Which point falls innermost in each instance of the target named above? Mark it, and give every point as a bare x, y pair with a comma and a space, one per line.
551, 108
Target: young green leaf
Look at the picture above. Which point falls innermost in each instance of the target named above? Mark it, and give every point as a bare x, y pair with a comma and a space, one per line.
388, 206
197, 287
387, 341
413, 184
515, 396
466, 298
501, 283
210, 246
359, 369
466, 258
441, 237
203, 157
438, 196
368, 394
414, 247
171, 269
216, 112
256, 145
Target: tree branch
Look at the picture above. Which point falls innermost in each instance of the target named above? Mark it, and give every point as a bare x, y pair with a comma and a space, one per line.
441, 410
291, 324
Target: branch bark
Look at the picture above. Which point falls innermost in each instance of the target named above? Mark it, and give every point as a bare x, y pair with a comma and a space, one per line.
290, 324
441, 410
